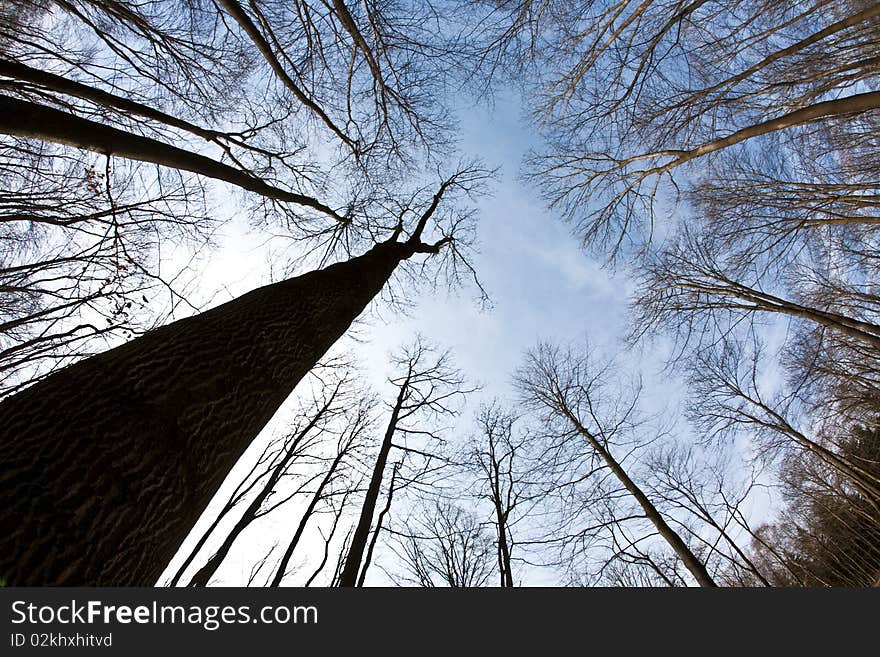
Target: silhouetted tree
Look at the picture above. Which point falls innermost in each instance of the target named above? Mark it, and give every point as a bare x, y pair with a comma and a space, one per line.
427, 386
179, 88
261, 467
496, 455
350, 441
206, 384
567, 389
630, 94
444, 546
203, 89
294, 450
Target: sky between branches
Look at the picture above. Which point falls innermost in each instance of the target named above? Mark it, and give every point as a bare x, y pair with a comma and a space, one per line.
542, 286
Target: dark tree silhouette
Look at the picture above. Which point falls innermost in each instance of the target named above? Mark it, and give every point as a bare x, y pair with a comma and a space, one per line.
495, 457
444, 545
566, 388
263, 466
294, 449
427, 385
350, 440
108, 463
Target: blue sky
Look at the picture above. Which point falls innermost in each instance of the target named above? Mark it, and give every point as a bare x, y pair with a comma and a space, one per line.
542, 287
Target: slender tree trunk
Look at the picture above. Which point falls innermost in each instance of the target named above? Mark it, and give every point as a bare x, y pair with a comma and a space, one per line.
240, 15
853, 327
204, 574
107, 464
688, 558
329, 539
19, 71
201, 542
198, 546
237, 495
846, 106
503, 550
306, 516
21, 118
375, 538
252, 512
501, 515
355, 555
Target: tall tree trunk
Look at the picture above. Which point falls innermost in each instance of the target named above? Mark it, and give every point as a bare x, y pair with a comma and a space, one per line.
304, 519
839, 107
21, 118
378, 530
765, 302
107, 464
19, 71
355, 556
503, 550
688, 558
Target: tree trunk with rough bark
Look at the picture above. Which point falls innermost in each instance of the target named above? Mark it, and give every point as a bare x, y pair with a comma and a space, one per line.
106, 465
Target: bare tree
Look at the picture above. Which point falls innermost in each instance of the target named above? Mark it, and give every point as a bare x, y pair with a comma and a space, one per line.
632, 93
567, 389
261, 467
86, 239
827, 533
496, 456
703, 492
444, 546
214, 399
212, 90
729, 395
220, 96
731, 148
381, 521
350, 441
294, 450
80, 263
337, 512
687, 285
428, 386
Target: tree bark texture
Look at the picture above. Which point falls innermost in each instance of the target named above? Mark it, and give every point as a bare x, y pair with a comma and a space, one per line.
107, 464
